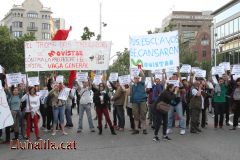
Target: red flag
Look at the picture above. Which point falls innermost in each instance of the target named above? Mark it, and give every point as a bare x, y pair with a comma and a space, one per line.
63, 35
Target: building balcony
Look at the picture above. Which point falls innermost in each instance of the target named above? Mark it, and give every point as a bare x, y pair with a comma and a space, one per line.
32, 28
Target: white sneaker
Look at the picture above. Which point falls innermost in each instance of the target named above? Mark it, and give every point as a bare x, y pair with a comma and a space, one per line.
169, 131
182, 131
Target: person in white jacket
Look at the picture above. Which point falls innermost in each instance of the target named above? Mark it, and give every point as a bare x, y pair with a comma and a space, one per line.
32, 107
86, 99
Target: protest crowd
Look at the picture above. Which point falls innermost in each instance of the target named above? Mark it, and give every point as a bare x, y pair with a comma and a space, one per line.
177, 99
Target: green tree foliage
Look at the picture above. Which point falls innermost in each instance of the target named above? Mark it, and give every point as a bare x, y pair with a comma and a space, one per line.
87, 34
121, 64
12, 50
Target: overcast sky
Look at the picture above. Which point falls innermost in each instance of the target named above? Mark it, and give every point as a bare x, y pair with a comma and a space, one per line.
123, 17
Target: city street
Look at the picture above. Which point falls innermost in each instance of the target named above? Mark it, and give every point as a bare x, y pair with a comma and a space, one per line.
211, 144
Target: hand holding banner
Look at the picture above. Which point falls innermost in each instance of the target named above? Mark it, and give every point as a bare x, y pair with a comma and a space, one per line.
186, 68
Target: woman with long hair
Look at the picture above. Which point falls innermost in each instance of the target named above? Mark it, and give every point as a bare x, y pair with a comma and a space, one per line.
102, 101
32, 107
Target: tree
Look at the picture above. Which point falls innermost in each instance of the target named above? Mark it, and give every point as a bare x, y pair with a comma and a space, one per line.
121, 64
87, 34
12, 50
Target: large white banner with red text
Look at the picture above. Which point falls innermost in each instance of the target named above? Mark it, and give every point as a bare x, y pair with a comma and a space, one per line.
67, 55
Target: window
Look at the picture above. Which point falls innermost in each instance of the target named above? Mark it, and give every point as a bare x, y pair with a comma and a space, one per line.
226, 26
32, 15
204, 53
17, 34
46, 35
204, 41
231, 27
17, 24
235, 22
46, 26
222, 31
32, 25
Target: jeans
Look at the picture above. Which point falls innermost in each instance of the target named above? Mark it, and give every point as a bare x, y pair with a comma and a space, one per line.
219, 109
171, 116
103, 111
114, 116
58, 114
68, 114
49, 116
87, 108
236, 111
152, 114
22, 122
130, 114
120, 116
186, 109
160, 118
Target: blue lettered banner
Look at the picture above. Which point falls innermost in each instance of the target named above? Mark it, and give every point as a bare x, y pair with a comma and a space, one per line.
155, 51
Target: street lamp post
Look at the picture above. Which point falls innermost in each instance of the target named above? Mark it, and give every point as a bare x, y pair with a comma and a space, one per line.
215, 44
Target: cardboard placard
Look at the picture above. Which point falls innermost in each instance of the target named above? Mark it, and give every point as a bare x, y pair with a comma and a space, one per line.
82, 76
113, 77
14, 79
63, 95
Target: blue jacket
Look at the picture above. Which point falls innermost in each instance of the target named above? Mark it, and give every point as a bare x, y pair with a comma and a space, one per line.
157, 90
138, 93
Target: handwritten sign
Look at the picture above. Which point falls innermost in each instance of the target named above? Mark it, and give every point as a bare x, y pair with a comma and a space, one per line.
134, 72
194, 69
82, 76
63, 95
200, 73
172, 69
218, 70
113, 77
67, 55
60, 79
154, 51
235, 77
123, 80
225, 65
97, 79
236, 69
148, 82
6, 118
174, 82
186, 68
32, 81
24, 78
14, 79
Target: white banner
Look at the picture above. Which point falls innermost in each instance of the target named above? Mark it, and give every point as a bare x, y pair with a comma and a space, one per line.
63, 95
174, 82
218, 70
172, 69
6, 118
123, 80
226, 65
186, 68
32, 81
200, 73
24, 78
82, 76
236, 69
14, 79
134, 72
154, 51
67, 55
235, 77
113, 77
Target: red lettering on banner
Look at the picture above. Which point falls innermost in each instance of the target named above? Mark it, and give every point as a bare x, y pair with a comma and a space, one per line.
55, 66
65, 53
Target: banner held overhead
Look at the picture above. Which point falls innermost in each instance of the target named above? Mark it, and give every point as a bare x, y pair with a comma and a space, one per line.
155, 51
67, 55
